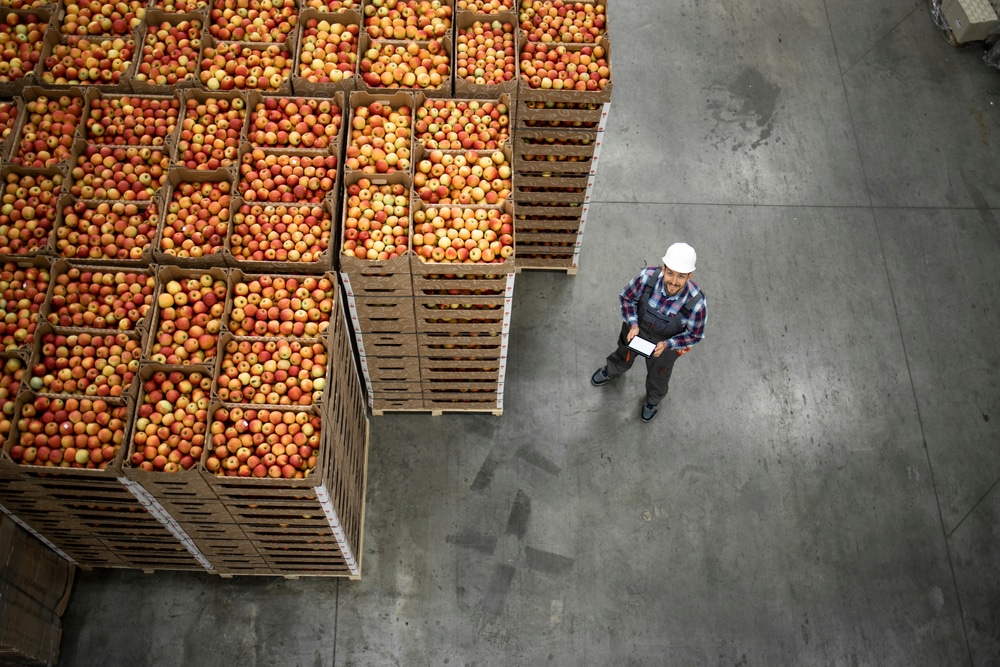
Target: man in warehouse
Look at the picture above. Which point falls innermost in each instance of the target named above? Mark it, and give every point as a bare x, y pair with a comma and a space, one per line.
664, 314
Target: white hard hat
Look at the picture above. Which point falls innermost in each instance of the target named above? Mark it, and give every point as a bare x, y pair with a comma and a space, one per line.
680, 257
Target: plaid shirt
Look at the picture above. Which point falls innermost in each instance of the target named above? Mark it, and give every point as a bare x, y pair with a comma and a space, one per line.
668, 305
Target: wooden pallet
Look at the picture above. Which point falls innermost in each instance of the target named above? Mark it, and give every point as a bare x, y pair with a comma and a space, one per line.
569, 270
496, 412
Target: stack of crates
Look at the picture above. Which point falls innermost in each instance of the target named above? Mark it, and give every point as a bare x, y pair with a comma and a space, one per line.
431, 335
557, 147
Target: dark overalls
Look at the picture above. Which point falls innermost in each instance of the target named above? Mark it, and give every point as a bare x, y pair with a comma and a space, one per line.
656, 327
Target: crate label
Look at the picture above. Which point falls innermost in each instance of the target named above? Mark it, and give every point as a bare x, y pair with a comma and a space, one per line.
509, 289
331, 514
153, 506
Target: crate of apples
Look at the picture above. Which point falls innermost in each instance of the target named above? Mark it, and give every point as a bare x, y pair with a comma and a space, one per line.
486, 54
328, 53
376, 220
21, 42
279, 177
463, 124
131, 121
272, 372
296, 122
288, 306
189, 313
380, 136
50, 122
418, 20
23, 289
233, 65
454, 234
102, 18
96, 298
195, 221
180, 6
258, 21
411, 65
118, 231
296, 233
332, 6
28, 211
210, 131
558, 67
485, 6
562, 21
102, 60
85, 363
171, 421
471, 178
68, 432
171, 51
129, 173
12, 370
274, 443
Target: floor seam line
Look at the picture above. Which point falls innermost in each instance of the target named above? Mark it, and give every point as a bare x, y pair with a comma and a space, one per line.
873, 207
879, 40
336, 622
975, 506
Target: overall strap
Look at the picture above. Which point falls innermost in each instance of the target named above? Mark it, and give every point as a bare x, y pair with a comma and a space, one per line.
692, 303
647, 290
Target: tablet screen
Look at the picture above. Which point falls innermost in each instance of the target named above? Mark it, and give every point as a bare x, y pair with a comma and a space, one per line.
642, 346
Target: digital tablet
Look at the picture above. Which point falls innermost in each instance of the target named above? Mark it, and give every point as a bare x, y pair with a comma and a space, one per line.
642, 346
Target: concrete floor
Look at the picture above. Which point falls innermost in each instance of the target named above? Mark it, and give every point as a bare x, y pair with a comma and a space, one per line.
820, 487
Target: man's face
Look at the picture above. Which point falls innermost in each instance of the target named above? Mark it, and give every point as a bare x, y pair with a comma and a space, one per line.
674, 282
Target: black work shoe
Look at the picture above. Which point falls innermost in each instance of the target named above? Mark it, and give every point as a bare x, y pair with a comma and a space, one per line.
648, 412
600, 377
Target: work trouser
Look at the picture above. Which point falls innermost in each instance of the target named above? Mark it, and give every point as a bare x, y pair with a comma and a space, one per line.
658, 369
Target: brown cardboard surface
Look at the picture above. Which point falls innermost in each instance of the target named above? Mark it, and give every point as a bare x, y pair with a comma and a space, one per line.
28, 631
33, 567
970, 20
393, 369
378, 344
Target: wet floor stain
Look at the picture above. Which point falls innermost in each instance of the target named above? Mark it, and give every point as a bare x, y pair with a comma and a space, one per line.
748, 104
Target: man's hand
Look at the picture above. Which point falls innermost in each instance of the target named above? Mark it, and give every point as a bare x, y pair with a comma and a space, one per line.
660, 348
632, 333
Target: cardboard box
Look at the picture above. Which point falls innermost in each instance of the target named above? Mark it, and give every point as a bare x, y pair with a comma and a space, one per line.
29, 633
34, 568
970, 20
350, 82
466, 87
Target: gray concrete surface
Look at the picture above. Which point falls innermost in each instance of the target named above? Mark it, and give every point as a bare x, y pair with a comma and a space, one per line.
820, 487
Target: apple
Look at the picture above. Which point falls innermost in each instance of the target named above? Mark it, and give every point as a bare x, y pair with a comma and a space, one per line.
413, 65
485, 53
180, 6
561, 21
11, 373
328, 52
280, 232
46, 137
274, 178
105, 230
98, 18
8, 118
380, 139
258, 21
332, 6
22, 292
469, 178
88, 364
70, 432
266, 67
459, 235
462, 124
27, 211
97, 60
129, 173
189, 318
210, 132
376, 220
413, 20
253, 434
116, 299
131, 121
171, 421
558, 67
169, 53
21, 43
297, 306
283, 122
272, 372
196, 219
